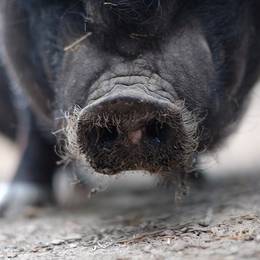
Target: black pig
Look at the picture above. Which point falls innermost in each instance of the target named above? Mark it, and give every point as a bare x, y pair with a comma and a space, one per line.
129, 84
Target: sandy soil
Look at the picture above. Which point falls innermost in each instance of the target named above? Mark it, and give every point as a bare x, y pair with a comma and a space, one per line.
137, 220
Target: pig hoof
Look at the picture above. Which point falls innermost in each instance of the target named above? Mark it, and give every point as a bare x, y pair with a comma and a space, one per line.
15, 198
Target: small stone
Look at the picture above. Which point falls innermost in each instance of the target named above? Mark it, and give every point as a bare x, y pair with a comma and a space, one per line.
73, 237
57, 242
35, 249
184, 229
204, 224
12, 255
179, 246
249, 217
234, 249
257, 239
249, 238
73, 245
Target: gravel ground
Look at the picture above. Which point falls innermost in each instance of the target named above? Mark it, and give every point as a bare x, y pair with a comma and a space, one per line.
137, 220
219, 221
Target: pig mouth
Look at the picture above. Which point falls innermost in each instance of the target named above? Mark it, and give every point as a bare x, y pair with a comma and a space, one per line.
125, 134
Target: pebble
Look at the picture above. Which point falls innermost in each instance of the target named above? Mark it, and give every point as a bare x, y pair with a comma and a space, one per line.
73, 237
12, 255
73, 245
257, 239
57, 242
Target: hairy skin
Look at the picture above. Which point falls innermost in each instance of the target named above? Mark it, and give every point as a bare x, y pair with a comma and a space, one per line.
183, 67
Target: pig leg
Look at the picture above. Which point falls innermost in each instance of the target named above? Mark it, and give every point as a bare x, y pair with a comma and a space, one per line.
32, 184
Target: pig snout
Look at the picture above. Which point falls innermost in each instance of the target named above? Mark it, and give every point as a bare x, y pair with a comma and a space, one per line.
129, 131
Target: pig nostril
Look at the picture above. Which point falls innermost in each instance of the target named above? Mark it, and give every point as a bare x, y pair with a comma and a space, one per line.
108, 135
157, 132
103, 136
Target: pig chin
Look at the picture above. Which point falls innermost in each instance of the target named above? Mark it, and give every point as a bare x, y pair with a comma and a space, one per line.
131, 127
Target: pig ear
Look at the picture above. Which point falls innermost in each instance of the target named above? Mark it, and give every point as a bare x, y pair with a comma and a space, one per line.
17, 52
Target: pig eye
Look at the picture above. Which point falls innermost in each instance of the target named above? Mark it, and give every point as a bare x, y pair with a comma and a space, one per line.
73, 22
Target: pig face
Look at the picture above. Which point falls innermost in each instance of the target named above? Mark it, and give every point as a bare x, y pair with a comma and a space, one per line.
144, 84
132, 79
